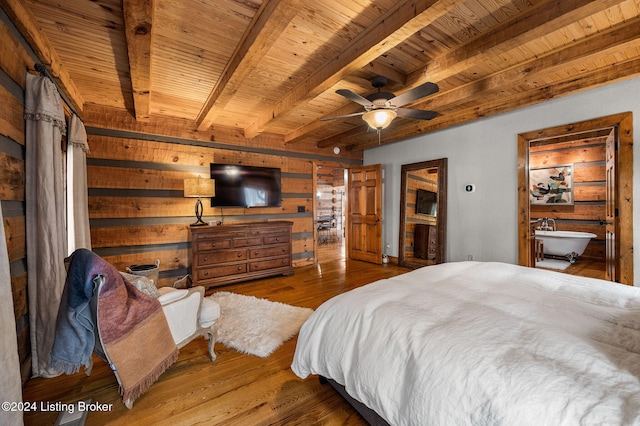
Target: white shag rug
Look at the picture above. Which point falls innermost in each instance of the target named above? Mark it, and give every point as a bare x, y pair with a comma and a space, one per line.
556, 264
256, 326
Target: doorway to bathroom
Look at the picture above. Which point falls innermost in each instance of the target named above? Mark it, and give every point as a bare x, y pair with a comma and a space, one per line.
589, 166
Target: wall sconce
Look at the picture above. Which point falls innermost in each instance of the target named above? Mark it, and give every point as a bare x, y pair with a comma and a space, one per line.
379, 119
199, 187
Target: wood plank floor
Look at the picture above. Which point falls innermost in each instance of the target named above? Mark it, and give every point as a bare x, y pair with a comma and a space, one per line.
236, 389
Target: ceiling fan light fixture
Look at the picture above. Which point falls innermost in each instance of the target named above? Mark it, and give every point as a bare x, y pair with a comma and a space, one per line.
379, 119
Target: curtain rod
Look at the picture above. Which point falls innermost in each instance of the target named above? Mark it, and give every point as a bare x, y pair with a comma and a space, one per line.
42, 70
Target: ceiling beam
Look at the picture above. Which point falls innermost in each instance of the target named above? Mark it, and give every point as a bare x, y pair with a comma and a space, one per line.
400, 22
26, 23
546, 17
138, 23
529, 73
270, 21
572, 84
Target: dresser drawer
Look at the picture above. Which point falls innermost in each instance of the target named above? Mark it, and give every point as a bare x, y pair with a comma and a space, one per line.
247, 242
210, 232
269, 264
221, 271
275, 239
258, 253
273, 230
213, 244
223, 256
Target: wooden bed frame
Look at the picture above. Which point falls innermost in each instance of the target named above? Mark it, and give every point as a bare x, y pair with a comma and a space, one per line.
367, 413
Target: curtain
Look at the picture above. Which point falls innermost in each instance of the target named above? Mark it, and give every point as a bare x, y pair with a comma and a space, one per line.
78, 233
10, 385
45, 216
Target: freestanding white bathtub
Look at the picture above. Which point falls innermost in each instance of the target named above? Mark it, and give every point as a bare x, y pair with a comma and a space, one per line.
570, 244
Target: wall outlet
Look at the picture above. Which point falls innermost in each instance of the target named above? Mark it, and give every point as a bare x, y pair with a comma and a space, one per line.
469, 257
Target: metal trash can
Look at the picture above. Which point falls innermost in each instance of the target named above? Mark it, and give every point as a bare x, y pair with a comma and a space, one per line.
150, 271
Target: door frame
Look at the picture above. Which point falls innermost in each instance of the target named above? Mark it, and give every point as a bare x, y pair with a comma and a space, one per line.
623, 125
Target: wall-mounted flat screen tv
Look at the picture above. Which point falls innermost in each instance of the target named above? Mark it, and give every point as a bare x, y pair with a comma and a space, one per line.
246, 186
426, 202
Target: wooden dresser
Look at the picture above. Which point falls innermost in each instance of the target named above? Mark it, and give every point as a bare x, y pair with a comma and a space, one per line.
425, 241
232, 253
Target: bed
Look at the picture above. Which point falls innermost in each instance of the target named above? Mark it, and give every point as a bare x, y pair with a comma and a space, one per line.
480, 343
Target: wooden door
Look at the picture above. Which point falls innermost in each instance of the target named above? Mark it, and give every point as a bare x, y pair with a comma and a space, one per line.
365, 213
611, 216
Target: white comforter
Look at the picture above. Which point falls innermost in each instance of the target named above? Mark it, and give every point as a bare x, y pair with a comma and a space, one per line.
474, 343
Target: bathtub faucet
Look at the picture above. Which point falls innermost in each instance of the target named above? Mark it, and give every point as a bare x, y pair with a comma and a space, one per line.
544, 226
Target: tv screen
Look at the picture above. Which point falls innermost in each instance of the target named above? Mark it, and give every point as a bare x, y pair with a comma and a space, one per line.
246, 186
426, 202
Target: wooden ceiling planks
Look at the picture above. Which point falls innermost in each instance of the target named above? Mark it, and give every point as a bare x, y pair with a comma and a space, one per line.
272, 67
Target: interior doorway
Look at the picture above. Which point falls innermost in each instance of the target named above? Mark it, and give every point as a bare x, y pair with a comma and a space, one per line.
330, 212
596, 156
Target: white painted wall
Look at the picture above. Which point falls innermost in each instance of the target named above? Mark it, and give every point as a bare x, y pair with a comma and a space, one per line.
484, 223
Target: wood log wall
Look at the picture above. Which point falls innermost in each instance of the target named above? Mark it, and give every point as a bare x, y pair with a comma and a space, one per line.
589, 189
14, 59
135, 175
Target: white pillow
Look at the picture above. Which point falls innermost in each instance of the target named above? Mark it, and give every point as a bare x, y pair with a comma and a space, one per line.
143, 284
169, 294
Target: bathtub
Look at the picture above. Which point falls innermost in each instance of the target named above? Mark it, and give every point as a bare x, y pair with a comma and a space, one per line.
570, 244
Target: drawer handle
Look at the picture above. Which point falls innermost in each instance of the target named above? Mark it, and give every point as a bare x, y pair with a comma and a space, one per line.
206, 259
206, 274
239, 268
239, 254
256, 252
213, 245
277, 238
284, 261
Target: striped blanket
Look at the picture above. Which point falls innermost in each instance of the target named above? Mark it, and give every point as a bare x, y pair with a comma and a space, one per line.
132, 328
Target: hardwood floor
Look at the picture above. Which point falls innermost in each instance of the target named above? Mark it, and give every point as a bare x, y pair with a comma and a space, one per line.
236, 389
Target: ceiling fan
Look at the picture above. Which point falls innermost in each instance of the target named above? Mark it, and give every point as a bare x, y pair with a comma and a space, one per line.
382, 107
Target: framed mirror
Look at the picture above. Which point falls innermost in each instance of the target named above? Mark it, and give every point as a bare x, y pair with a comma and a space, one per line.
423, 213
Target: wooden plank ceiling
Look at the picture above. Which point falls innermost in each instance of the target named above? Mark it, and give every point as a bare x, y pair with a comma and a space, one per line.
269, 66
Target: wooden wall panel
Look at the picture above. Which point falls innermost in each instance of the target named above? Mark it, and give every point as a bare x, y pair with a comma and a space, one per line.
15, 233
12, 177
19, 292
122, 236
14, 61
11, 116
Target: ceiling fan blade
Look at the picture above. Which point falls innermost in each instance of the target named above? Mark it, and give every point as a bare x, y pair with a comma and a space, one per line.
414, 94
342, 116
416, 114
354, 97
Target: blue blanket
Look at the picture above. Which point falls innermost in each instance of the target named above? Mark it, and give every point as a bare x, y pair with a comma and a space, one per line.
75, 325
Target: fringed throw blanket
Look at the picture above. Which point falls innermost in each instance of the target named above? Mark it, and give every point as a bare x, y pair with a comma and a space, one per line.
132, 327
